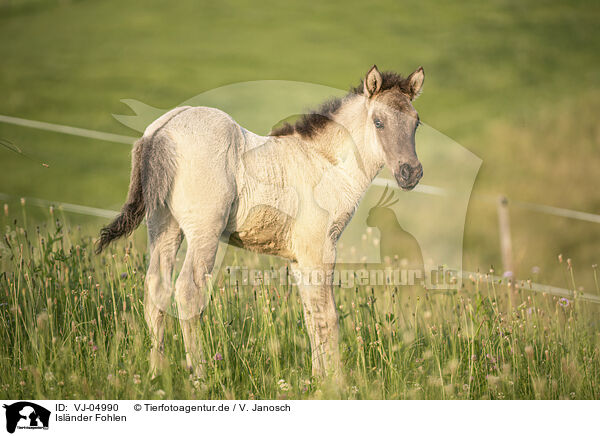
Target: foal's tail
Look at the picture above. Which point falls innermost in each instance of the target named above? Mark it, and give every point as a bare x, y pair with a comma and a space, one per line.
134, 209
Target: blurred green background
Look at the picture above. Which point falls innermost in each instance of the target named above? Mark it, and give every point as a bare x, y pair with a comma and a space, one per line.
515, 82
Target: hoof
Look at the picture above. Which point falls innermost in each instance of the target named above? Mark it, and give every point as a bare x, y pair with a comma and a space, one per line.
158, 363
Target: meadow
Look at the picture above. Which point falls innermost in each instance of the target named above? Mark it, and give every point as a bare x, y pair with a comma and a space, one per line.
72, 327
514, 82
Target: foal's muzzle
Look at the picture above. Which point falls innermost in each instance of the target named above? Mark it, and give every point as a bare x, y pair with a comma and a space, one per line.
408, 176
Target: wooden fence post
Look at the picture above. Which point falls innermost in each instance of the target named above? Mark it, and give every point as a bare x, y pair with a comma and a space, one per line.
505, 239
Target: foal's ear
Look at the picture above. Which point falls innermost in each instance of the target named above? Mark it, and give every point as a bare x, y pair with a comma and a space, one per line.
415, 82
372, 83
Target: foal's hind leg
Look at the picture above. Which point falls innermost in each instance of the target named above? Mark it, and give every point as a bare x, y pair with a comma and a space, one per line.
164, 236
201, 199
202, 227
191, 294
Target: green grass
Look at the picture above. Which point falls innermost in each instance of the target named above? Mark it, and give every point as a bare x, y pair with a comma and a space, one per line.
513, 81
72, 327
501, 79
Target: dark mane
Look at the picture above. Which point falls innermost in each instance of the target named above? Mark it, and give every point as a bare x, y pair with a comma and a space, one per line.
310, 123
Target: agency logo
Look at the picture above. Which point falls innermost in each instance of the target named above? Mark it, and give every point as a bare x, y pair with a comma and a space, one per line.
26, 415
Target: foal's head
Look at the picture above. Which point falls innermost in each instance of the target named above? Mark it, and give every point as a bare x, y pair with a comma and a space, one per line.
392, 121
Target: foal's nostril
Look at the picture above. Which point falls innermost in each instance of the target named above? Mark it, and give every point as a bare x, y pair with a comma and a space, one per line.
419, 171
405, 171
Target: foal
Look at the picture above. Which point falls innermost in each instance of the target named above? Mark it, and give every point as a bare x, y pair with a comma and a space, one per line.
197, 173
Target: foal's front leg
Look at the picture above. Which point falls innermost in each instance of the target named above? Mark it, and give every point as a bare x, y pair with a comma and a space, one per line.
321, 317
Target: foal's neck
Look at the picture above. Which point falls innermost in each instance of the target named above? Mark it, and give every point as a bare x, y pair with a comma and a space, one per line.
354, 159
361, 159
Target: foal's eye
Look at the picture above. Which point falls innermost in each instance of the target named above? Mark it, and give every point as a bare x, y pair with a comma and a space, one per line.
378, 123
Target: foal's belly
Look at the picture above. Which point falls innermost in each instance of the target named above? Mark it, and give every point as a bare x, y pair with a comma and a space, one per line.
265, 230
